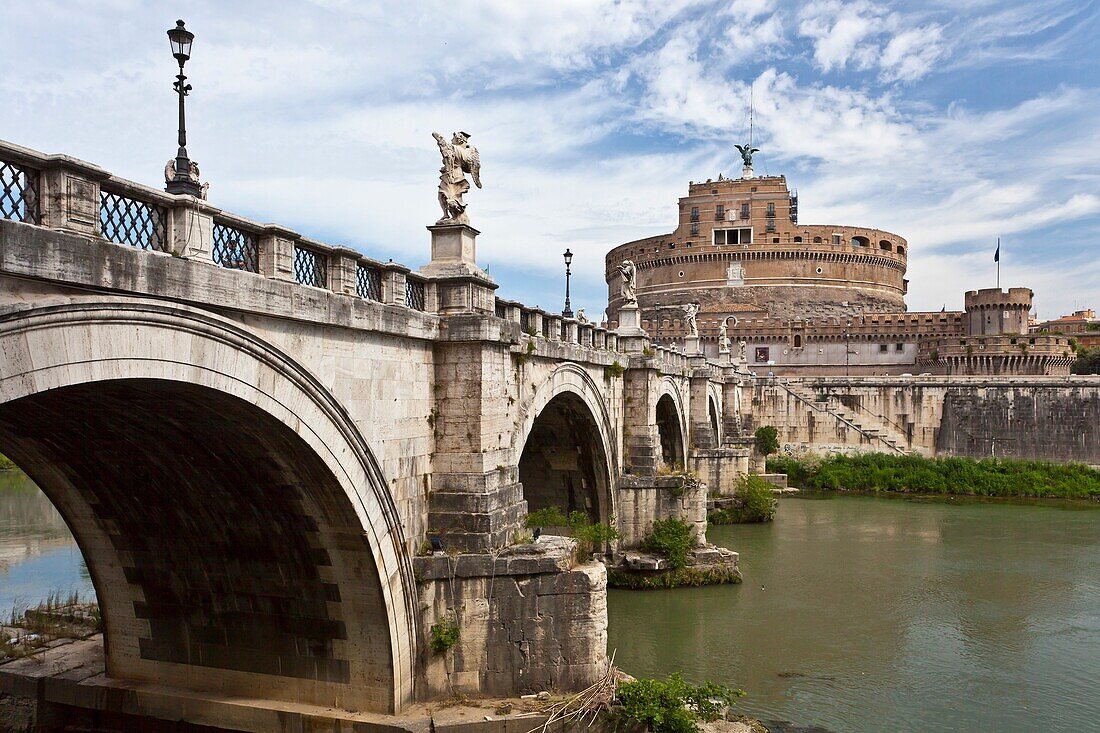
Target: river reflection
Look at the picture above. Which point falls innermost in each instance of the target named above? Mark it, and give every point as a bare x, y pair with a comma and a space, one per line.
872, 614
37, 553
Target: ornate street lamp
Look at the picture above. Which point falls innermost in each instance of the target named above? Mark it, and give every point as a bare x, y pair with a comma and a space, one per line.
183, 181
568, 312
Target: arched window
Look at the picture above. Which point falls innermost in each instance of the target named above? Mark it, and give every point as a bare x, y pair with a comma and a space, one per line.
861, 242
798, 341
901, 250
817, 240
883, 244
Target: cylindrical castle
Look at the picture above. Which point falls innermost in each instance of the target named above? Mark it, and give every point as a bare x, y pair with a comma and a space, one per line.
739, 251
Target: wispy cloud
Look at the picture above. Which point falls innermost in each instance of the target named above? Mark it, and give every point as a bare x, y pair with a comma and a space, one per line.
592, 116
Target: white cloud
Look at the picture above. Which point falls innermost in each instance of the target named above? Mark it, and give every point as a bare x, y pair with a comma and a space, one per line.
591, 117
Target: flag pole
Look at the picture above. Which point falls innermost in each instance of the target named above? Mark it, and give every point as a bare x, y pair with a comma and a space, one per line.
998, 263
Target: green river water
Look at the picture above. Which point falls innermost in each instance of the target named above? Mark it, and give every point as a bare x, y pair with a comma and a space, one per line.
857, 614
863, 614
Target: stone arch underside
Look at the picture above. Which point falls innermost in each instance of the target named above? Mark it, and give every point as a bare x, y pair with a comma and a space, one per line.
563, 463
228, 511
567, 458
714, 419
670, 431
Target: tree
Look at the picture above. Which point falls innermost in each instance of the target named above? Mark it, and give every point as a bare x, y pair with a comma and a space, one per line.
1088, 361
767, 440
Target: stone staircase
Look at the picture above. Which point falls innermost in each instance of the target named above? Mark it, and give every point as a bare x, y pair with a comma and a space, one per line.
875, 430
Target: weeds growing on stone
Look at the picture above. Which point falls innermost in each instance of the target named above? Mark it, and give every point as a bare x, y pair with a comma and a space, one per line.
672, 538
673, 705
753, 502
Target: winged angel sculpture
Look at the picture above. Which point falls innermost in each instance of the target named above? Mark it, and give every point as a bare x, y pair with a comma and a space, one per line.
459, 158
746, 153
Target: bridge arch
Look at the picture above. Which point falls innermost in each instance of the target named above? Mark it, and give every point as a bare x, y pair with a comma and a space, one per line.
237, 527
566, 447
671, 420
714, 417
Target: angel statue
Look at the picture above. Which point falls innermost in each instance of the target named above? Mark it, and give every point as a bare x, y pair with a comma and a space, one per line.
691, 313
629, 289
746, 153
581, 317
743, 350
459, 158
723, 337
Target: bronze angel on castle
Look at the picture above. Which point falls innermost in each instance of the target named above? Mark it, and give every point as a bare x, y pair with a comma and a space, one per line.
746, 153
459, 158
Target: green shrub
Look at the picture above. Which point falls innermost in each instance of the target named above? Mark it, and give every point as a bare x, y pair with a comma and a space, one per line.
1088, 361
672, 538
673, 705
549, 516
6, 464
767, 440
951, 475
754, 502
444, 636
589, 535
615, 370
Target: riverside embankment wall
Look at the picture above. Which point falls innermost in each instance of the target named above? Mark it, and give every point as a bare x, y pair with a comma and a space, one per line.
1055, 419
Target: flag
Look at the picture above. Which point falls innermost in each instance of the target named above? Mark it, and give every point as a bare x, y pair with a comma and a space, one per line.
997, 254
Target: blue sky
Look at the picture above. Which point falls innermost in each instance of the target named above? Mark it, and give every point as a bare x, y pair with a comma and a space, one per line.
950, 123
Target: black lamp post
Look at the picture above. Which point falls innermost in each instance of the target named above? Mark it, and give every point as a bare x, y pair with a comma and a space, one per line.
568, 311
181, 39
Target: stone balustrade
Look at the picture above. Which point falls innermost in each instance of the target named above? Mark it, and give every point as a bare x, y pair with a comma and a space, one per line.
61, 192
64, 193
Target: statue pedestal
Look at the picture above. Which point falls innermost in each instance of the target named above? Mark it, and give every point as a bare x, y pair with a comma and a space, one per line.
746, 172
691, 345
632, 338
454, 251
460, 285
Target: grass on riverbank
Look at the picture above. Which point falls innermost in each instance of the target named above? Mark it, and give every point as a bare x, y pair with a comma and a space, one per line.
919, 475
6, 464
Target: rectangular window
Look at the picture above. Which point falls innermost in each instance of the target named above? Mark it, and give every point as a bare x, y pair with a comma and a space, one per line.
744, 211
763, 354
770, 225
695, 213
694, 228
733, 236
883, 348
720, 213
836, 239
899, 347
771, 209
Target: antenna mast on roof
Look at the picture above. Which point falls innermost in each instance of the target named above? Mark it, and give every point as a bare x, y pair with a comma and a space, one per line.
746, 151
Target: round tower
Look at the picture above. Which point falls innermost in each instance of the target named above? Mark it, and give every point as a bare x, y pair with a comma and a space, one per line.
992, 311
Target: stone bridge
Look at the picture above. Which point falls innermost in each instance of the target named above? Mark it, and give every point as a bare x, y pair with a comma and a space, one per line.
255, 437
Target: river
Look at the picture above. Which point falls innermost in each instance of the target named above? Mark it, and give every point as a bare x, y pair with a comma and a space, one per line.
857, 614
37, 553
866, 614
